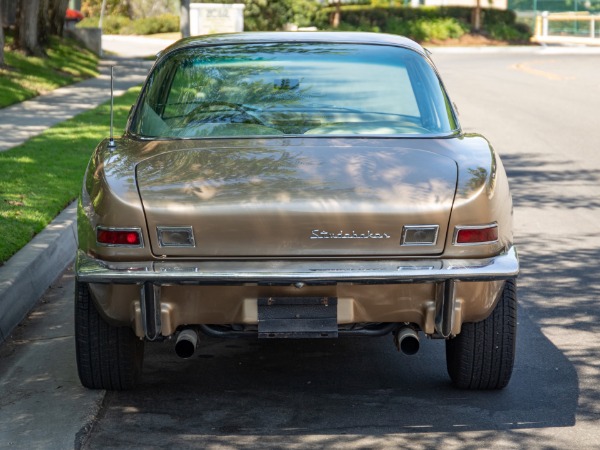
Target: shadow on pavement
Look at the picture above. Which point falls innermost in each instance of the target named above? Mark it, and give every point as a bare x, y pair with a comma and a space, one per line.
339, 392
359, 393
534, 180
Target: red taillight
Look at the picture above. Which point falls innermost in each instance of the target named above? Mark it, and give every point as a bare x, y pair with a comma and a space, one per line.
476, 235
119, 237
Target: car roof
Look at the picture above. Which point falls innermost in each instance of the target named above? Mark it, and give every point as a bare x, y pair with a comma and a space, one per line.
294, 36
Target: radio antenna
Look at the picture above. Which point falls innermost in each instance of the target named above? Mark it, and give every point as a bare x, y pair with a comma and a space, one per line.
111, 140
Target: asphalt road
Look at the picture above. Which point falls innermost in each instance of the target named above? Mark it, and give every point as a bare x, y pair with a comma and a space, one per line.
541, 113
134, 46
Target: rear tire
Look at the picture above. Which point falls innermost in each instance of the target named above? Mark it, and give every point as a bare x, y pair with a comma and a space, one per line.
108, 357
482, 355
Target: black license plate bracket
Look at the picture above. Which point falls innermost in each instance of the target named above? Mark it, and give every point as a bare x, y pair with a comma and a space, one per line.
297, 317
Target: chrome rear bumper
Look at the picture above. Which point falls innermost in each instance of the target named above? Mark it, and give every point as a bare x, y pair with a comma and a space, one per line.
233, 272
150, 276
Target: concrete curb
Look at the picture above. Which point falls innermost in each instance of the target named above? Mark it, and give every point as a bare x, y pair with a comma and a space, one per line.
29, 273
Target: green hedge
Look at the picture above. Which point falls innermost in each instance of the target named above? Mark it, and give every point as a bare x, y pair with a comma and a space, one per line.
110, 24
421, 24
424, 23
165, 23
438, 28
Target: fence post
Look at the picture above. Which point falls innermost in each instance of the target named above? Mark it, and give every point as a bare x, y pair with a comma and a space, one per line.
592, 27
545, 24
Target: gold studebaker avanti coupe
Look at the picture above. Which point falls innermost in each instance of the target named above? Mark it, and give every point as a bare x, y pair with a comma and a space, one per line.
295, 185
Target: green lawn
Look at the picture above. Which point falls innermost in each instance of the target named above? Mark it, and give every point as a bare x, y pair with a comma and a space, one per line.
26, 77
39, 178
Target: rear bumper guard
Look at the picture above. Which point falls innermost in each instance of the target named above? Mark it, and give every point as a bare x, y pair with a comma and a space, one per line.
150, 276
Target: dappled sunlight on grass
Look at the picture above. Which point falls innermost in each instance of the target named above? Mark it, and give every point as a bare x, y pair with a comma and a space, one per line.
41, 177
67, 63
23, 160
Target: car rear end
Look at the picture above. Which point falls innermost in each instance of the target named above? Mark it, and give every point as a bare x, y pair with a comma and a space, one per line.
275, 189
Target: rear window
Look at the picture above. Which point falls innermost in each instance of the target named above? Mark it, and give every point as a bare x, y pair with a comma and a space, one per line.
292, 89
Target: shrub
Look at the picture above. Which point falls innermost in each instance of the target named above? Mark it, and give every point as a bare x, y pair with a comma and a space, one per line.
88, 22
427, 29
110, 24
164, 23
503, 32
424, 23
438, 29
304, 12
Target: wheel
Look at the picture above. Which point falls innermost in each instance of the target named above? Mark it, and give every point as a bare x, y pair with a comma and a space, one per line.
482, 355
108, 357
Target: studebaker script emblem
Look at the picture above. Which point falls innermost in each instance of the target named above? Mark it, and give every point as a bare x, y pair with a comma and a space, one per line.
322, 234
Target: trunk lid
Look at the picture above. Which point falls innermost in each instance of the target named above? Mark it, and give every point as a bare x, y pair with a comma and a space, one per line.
297, 201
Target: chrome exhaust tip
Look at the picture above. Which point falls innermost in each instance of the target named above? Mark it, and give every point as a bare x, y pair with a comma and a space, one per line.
407, 341
186, 343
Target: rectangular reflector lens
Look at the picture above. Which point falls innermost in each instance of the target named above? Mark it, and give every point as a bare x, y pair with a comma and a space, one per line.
477, 235
419, 234
175, 236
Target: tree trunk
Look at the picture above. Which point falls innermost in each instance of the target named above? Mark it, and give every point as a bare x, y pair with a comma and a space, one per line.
337, 15
27, 27
476, 18
184, 18
58, 11
1, 40
44, 23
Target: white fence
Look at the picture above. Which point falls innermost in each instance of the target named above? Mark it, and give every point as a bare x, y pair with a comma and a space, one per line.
576, 28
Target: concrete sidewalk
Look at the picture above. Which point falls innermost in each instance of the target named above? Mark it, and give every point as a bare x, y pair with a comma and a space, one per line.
134, 46
27, 275
29, 118
42, 402
24, 120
